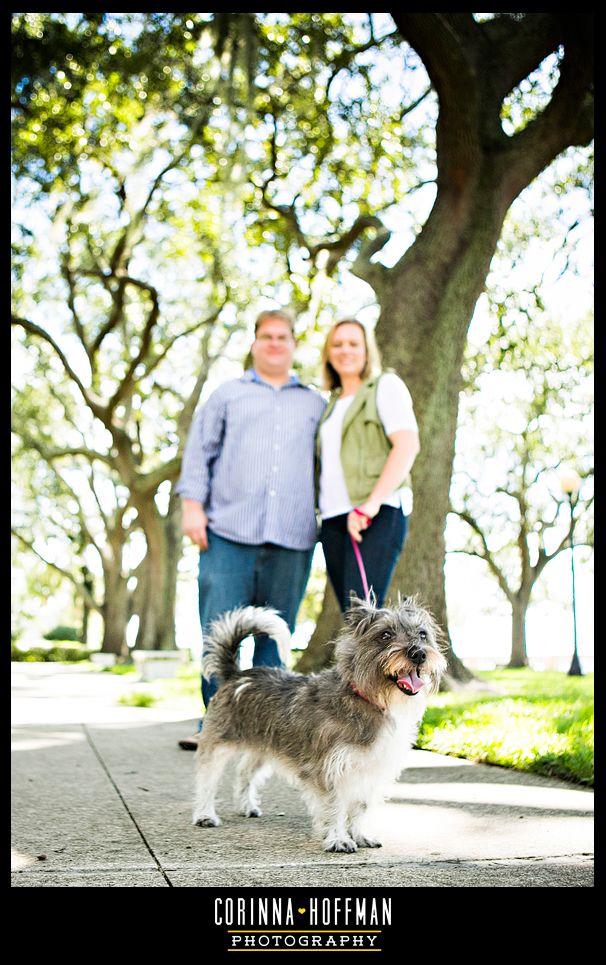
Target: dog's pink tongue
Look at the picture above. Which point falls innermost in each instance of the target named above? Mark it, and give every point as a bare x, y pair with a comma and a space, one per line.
411, 684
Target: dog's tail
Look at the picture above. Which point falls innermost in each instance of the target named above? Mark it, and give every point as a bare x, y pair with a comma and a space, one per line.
220, 659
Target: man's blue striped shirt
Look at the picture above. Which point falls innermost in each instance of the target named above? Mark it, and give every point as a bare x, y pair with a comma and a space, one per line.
249, 459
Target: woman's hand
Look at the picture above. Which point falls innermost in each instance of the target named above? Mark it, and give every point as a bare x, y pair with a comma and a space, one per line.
361, 517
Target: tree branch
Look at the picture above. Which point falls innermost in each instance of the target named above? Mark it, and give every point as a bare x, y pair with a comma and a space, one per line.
188, 409
102, 514
444, 43
117, 306
50, 454
567, 119
486, 554
147, 483
152, 318
343, 60
82, 590
205, 323
71, 301
512, 49
363, 267
94, 405
339, 247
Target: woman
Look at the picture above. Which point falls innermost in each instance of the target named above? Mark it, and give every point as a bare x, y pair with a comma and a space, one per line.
366, 444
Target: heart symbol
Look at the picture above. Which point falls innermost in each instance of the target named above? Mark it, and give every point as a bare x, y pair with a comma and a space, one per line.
301, 910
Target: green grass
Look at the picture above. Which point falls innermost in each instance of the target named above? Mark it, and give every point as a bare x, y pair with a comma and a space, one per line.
177, 693
538, 722
138, 698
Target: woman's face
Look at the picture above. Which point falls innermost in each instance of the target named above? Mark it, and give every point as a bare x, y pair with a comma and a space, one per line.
347, 350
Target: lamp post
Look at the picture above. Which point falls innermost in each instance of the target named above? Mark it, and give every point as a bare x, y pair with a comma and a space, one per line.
570, 482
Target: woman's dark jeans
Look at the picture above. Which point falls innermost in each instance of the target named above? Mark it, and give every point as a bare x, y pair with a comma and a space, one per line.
380, 549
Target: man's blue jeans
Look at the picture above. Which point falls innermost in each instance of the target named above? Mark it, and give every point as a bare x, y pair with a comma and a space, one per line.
236, 574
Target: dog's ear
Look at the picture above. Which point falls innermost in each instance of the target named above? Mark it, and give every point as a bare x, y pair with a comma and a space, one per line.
370, 600
361, 612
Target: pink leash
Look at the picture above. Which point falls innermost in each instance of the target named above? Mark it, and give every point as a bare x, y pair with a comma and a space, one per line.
358, 555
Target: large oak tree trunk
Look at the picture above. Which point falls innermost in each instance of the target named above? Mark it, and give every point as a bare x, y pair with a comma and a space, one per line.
427, 299
114, 610
320, 649
422, 330
156, 604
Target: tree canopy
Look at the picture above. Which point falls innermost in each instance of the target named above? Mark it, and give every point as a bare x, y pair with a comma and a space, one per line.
190, 167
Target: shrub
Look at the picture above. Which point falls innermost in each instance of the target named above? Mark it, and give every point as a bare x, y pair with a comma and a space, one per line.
63, 633
70, 654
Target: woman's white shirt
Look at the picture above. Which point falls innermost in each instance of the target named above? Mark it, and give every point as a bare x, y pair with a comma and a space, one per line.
394, 406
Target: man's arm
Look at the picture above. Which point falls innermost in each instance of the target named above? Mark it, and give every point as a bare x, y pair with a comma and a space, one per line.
202, 448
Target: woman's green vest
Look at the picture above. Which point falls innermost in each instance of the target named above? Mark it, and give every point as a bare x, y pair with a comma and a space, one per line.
364, 444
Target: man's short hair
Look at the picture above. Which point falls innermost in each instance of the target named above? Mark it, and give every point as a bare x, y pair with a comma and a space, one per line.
275, 313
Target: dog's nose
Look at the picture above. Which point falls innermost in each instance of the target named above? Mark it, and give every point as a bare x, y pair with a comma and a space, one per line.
417, 655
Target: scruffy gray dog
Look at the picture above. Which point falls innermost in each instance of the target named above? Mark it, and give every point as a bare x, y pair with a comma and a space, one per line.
339, 735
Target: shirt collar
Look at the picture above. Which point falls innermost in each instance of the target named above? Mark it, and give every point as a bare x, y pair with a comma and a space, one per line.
251, 375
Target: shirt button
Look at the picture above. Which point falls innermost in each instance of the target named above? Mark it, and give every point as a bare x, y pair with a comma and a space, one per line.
272, 492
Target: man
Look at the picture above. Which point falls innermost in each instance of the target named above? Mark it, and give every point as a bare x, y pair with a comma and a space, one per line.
247, 489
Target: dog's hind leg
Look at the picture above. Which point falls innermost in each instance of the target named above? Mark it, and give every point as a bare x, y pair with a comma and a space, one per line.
251, 774
210, 764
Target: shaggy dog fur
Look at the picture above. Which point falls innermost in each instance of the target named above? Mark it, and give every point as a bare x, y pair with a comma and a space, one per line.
339, 735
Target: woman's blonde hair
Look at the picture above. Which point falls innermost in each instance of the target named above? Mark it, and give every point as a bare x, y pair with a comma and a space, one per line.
372, 365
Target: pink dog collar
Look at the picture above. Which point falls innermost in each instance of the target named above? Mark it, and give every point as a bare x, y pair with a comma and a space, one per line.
364, 697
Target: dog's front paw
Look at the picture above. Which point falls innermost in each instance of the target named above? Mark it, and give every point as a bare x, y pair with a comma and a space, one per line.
252, 812
347, 845
363, 842
207, 822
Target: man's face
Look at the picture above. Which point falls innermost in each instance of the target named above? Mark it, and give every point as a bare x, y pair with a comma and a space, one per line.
273, 348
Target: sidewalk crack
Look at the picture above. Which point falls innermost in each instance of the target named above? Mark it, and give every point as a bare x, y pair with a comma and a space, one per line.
125, 805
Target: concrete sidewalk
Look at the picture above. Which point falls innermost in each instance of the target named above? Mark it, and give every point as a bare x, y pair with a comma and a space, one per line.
102, 798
